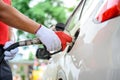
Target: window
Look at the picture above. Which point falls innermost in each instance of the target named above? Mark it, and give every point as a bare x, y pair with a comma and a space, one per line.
75, 17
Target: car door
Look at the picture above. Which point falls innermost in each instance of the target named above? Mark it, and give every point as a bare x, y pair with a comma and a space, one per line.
94, 54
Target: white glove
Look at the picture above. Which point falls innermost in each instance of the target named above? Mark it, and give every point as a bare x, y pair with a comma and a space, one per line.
9, 54
49, 39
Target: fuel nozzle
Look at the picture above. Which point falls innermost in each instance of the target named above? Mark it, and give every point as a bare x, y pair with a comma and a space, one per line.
42, 53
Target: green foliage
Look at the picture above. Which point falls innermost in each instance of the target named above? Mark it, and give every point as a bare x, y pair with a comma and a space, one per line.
21, 5
31, 56
44, 12
21, 72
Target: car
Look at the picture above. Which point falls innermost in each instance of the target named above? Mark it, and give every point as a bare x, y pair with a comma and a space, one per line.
94, 53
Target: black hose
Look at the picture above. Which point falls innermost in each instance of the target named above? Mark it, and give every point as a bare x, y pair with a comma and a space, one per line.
18, 44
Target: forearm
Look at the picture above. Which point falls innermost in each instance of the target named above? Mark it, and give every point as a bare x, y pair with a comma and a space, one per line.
14, 18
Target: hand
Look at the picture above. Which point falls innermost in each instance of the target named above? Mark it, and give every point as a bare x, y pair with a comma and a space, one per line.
9, 54
49, 38
64, 38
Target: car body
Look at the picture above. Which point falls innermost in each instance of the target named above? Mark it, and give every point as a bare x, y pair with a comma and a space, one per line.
95, 54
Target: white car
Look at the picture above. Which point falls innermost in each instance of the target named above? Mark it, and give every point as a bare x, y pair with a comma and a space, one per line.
95, 54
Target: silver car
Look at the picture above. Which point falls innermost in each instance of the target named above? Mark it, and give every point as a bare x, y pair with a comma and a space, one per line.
95, 51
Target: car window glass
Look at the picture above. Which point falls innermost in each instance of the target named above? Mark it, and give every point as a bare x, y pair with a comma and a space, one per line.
74, 19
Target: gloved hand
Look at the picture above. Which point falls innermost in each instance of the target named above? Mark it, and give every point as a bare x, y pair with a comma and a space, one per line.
64, 38
9, 54
49, 38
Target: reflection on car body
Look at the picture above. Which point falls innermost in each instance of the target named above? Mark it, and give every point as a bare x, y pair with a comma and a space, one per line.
95, 54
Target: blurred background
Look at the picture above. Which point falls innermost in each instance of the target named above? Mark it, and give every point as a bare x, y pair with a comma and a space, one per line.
25, 65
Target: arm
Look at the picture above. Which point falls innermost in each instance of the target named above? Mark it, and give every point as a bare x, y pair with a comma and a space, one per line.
14, 18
